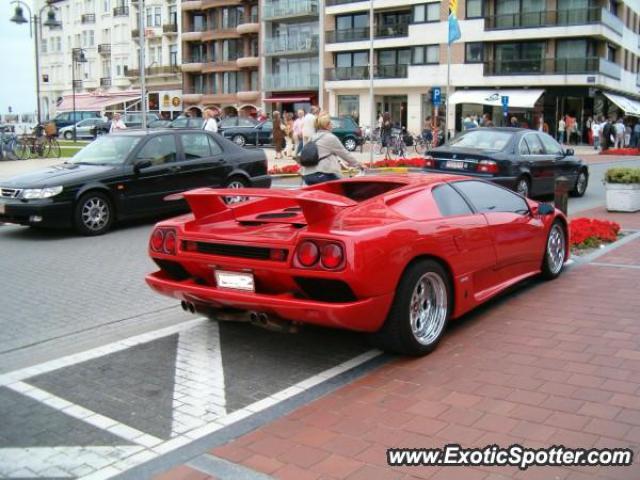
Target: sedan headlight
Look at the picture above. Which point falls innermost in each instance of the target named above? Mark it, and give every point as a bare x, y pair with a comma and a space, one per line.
38, 193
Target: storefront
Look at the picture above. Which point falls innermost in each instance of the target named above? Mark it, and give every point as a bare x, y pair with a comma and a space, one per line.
292, 102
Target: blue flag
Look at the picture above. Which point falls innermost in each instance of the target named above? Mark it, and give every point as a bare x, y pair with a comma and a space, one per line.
454, 27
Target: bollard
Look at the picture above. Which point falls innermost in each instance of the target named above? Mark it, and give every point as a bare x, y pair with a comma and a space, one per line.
561, 194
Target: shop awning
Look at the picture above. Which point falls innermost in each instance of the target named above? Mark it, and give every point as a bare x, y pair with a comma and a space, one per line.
517, 98
91, 102
627, 105
289, 99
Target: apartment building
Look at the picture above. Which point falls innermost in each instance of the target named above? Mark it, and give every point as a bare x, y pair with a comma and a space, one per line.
221, 61
94, 56
550, 57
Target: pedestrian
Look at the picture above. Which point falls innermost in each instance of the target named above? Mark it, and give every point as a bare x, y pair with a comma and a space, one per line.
635, 136
297, 132
278, 134
385, 129
627, 135
117, 124
619, 134
588, 131
486, 120
210, 124
570, 128
331, 152
261, 116
468, 123
309, 124
288, 134
562, 127
514, 122
595, 134
607, 135
427, 130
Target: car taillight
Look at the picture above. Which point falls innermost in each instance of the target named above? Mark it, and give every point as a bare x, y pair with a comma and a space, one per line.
488, 166
359, 132
308, 254
169, 245
157, 239
277, 255
332, 255
429, 162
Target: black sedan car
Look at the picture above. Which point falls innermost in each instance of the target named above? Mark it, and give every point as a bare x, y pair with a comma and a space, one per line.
127, 175
525, 161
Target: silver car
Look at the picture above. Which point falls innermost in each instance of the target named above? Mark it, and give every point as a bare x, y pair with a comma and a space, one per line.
84, 129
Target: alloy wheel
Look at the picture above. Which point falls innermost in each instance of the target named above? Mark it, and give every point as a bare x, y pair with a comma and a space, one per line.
95, 214
581, 183
428, 309
556, 249
523, 187
235, 184
350, 144
239, 140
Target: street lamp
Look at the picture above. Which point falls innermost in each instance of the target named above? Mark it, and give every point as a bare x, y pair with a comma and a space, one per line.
35, 24
77, 56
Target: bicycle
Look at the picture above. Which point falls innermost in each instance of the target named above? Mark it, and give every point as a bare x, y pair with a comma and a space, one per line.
8, 143
37, 145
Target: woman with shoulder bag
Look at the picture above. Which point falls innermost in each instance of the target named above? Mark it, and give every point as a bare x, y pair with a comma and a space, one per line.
330, 152
278, 134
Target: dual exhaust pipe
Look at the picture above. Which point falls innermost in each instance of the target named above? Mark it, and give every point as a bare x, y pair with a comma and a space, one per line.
188, 306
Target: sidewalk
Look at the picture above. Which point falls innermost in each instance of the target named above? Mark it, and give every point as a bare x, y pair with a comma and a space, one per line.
554, 363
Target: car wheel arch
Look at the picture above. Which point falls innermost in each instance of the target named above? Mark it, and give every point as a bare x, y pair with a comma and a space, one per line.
97, 188
237, 173
443, 263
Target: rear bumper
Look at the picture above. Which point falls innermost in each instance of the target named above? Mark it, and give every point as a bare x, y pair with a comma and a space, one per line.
52, 215
509, 182
263, 181
365, 315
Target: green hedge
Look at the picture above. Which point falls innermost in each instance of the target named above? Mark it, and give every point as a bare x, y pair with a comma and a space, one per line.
623, 175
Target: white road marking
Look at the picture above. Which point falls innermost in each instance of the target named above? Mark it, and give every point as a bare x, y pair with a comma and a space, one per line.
199, 395
60, 461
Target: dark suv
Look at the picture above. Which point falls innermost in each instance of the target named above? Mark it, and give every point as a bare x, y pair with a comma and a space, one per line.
71, 118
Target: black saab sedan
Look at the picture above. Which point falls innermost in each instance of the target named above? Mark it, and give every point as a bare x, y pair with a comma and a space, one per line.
125, 175
525, 161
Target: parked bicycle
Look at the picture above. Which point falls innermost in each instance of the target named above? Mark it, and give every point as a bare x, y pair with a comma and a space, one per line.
393, 146
8, 143
38, 145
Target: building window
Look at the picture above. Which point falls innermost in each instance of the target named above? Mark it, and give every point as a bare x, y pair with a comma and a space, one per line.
349, 105
229, 82
474, 9
352, 59
254, 81
428, 12
43, 49
611, 53
519, 58
473, 52
173, 55
425, 55
106, 6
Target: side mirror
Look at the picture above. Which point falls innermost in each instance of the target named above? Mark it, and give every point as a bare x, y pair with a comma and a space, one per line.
569, 152
141, 164
546, 209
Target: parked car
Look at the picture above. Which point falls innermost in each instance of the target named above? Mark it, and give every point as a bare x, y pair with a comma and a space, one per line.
65, 119
84, 128
187, 122
160, 124
128, 174
250, 132
134, 120
526, 161
396, 256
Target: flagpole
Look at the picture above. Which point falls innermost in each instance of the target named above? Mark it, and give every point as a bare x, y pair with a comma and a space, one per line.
372, 103
446, 113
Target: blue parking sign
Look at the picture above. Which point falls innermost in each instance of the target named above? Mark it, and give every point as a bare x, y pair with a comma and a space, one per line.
505, 101
436, 96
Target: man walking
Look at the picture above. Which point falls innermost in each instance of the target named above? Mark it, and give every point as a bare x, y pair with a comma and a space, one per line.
297, 132
210, 124
309, 124
117, 124
596, 128
619, 134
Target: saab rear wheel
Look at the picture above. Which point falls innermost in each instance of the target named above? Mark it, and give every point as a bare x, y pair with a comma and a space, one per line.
581, 185
239, 140
555, 252
420, 311
235, 183
523, 187
93, 214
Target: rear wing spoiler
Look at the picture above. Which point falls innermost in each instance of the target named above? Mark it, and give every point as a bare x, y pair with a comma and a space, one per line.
316, 205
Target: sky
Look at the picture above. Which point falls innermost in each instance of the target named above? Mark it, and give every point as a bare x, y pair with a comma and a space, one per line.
17, 63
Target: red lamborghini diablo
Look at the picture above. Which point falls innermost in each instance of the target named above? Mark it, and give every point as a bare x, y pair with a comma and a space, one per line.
396, 256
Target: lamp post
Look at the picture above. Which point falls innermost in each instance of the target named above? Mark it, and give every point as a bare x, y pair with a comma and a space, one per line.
35, 24
77, 56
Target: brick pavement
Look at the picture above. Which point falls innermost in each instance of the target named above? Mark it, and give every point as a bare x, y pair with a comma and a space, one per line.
551, 363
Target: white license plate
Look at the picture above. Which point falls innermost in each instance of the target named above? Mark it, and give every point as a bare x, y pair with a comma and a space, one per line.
455, 165
235, 280
1, 208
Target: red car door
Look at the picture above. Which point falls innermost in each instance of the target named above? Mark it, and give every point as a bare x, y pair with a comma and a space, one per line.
519, 238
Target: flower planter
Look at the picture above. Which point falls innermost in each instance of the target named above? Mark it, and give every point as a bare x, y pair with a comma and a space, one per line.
623, 197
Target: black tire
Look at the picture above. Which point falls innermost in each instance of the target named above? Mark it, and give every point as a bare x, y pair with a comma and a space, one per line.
350, 144
582, 182
550, 267
236, 182
23, 149
239, 140
93, 214
68, 135
523, 186
397, 334
52, 149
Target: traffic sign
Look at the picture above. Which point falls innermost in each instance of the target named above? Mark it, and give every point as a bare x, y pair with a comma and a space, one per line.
436, 96
505, 101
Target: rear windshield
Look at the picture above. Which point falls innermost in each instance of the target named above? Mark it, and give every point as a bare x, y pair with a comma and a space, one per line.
483, 139
360, 191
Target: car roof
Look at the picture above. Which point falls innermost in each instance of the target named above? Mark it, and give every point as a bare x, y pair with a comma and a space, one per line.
138, 132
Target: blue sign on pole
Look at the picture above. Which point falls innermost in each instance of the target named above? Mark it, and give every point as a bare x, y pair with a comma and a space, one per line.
436, 96
505, 102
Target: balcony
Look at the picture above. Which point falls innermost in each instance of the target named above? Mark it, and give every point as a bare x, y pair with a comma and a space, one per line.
248, 62
351, 35
193, 33
248, 95
291, 82
153, 71
554, 18
394, 30
362, 72
104, 49
121, 12
170, 28
293, 45
553, 66
248, 24
105, 82
342, 2
88, 18
290, 9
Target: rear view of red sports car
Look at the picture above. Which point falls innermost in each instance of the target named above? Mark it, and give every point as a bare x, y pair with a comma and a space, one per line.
395, 256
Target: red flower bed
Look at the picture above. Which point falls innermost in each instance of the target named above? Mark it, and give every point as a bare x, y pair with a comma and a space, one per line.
287, 169
592, 232
621, 151
417, 162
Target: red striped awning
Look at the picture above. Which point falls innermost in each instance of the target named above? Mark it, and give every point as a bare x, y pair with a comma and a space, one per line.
290, 99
